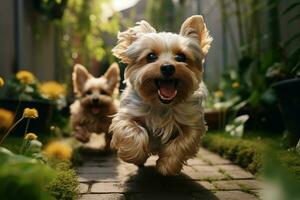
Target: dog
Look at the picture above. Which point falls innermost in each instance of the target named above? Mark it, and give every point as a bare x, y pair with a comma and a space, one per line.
161, 107
92, 111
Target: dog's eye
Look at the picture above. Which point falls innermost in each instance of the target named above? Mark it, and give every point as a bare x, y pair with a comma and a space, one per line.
89, 92
103, 92
180, 57
151, 57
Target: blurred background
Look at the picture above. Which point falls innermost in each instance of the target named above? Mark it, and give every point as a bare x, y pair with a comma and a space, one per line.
48, 36
256, 45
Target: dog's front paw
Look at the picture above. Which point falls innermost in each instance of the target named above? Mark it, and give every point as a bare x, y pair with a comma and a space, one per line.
84, 138
132, 143
132, 152
168, 166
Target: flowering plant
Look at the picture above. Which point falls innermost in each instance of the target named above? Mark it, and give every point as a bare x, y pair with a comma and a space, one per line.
26, 86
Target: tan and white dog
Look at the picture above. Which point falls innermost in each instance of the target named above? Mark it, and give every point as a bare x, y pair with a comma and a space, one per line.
93, 110
161, 108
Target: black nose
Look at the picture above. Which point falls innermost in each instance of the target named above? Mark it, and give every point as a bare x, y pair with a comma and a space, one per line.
167, 70
95, 100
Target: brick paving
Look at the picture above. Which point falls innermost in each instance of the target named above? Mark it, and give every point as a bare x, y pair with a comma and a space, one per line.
206, 177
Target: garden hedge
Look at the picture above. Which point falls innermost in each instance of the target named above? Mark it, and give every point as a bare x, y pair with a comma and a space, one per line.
250, 153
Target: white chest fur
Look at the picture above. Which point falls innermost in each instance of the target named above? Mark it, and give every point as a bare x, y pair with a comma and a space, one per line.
164, 121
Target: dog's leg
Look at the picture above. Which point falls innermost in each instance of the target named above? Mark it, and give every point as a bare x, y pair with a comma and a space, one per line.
107, 141
178, 151
81, 134
131, 140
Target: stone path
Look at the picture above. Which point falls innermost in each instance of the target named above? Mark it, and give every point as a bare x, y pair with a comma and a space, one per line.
207, 177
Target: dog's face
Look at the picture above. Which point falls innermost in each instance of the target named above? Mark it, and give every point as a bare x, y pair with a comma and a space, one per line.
95, 93
164, 68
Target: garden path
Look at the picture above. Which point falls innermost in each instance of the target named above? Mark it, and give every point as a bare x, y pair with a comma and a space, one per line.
206, 177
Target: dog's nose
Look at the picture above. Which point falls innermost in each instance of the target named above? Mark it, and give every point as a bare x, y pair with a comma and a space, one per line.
95, 100
167, 70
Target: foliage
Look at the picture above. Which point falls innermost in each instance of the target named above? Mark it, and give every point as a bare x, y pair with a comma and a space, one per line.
262, 56
52, 9
82, 29
65, 185
236, 127
32, 179
250, 153
247, 154
279, 183
165, 15
25, 86
26, 176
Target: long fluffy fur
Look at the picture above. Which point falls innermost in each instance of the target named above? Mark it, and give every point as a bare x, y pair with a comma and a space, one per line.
83, 120
143, 125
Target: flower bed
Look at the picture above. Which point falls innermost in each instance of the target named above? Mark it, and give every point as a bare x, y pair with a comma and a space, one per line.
29, 169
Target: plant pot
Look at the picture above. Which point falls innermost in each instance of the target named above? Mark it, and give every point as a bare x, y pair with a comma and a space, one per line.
263, 118
215, 119
40, 126
289, 105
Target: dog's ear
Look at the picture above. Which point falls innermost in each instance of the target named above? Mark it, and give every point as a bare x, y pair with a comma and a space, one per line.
126, 38
113, 76
195, 28
79, 76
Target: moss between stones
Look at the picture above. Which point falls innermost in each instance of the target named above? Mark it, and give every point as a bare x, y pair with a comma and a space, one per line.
65, 185
249, 153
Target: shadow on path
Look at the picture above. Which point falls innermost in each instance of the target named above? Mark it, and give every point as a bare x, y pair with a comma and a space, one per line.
147, 183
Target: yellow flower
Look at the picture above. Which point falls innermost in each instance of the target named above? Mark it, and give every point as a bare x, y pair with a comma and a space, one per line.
30, 113
25, 77
30, 136
58, 150
6, 118
235, 85
219, 93
1, 82
52, 89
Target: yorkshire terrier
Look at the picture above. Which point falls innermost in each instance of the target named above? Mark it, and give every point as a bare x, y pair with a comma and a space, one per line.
161, 108
92, 111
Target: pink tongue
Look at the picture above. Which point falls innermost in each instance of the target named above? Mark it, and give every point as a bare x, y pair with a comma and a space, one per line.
95, 110
167, 90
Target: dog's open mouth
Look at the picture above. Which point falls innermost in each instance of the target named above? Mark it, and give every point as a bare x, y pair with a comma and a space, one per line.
167, 90
95, 109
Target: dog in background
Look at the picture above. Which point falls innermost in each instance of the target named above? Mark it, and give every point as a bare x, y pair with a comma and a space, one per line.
161, 108
92, 111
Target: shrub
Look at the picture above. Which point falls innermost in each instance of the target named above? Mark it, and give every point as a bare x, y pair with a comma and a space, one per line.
246, 153
23, 178
65, 184
251, 153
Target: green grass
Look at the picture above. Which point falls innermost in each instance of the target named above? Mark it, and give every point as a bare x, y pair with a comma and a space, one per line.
250, 151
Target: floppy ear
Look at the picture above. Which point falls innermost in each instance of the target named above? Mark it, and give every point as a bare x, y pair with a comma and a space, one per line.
195, 28
126, 38
79, 76
113, 76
